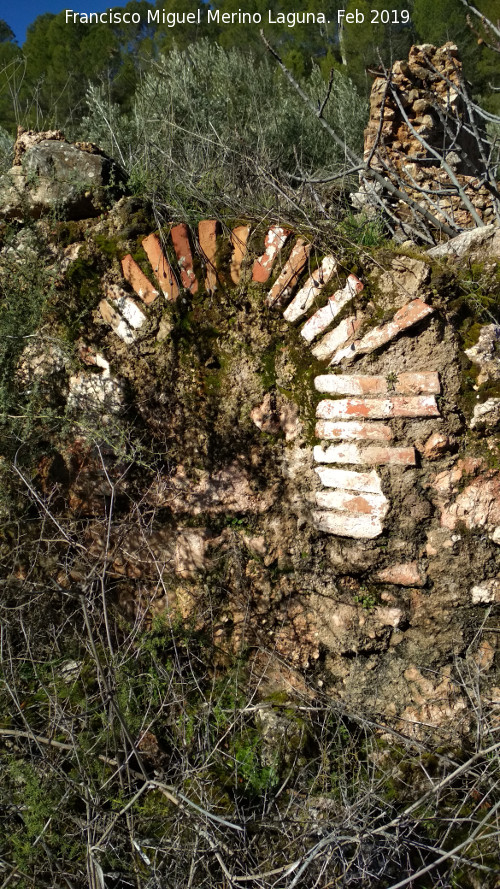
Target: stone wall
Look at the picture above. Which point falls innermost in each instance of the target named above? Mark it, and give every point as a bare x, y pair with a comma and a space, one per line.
419, 109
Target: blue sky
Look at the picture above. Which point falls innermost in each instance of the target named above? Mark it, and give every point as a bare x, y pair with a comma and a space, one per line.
20, 14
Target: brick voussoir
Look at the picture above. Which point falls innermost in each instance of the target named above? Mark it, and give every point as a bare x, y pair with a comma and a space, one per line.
134, 316
283, 286
239, 238
352, 453
161, 267
304, 299
276, 239
134, 275
207, 238
378, 408
180, 240
116, 322
337, 337
405, 384
406, 317
322, 319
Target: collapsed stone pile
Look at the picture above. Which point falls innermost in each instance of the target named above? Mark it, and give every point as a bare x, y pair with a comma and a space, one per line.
418, 117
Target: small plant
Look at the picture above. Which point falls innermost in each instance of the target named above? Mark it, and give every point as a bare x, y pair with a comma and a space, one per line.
366, 599
391, 380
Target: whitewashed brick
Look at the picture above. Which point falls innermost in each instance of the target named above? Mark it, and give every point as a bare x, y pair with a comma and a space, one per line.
361, 527
337, 337
349, 480
405, 384
352, 430
286, 281
274, 242
322, 319
352, 453
352, 502
378, 408
304, 299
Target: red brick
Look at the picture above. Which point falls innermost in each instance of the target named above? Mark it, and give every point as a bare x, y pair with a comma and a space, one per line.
352, 453
161, 267
239, 238
207, 237
138, 281
180, 240
306, 296
352, 430
275, 241
322, 319
283, 286
378, 408
406, 317
406, 383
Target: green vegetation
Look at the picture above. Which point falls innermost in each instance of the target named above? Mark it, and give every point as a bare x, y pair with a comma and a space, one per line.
41, 83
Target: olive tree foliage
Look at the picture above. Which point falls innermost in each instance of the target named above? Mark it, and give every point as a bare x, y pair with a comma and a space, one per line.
215, 128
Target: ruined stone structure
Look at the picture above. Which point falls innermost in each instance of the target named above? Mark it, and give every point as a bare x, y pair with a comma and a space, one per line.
419, 117
321, 450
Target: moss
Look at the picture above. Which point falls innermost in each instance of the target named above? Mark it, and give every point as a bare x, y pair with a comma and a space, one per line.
112, 248
67, 233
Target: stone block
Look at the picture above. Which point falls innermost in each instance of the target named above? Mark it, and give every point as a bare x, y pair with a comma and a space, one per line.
352, 453
134, 275
207, 237
126, 306
337, 337
180, 240
405, 384
487, 592
239, 238
286, 281
352, 430
406, 317
322, 319
304, 299
436, 445
378, 408
276, 239
402, 574
161, 267
116, 322
361, 527
349, 480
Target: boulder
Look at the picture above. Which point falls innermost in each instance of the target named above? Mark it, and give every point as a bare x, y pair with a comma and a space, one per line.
486, 353
56, 177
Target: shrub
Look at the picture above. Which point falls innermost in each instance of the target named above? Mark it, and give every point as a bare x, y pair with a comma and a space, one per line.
215, 128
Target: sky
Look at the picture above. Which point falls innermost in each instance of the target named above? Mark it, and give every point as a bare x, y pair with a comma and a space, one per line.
20, 14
